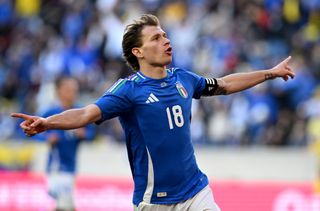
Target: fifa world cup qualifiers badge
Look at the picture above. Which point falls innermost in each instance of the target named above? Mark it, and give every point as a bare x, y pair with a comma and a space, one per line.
182, 91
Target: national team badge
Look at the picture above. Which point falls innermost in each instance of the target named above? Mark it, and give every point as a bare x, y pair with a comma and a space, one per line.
182, 91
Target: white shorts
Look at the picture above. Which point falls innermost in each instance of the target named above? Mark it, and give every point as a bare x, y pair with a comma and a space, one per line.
60, 187
202, 201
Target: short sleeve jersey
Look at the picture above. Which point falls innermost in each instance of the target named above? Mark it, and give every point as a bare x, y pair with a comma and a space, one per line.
155, 115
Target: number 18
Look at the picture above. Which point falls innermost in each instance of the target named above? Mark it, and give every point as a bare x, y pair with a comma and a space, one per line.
177, 116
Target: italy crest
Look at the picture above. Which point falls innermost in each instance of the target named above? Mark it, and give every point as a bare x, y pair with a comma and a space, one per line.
182, 91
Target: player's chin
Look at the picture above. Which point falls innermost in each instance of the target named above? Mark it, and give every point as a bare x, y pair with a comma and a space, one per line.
167, 61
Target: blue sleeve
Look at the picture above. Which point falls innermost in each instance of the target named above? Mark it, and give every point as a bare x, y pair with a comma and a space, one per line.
198, 83
116, 101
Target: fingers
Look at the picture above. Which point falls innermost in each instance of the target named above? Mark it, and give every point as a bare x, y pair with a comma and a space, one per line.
25, 125
287, 60
30, 133
36, 123
284, 63
32, 124
22, 116
292, 75
290, 72
285, 78
287, 75
27, 134
285, 70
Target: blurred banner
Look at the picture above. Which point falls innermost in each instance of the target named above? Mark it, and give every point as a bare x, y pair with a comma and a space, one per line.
27, 192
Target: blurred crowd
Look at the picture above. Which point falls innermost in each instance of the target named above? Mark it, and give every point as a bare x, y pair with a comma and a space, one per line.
42, 40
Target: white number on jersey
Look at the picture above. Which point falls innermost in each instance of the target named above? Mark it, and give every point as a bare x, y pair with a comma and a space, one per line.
176, 111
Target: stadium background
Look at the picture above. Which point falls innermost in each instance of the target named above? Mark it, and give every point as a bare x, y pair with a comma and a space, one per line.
260, 147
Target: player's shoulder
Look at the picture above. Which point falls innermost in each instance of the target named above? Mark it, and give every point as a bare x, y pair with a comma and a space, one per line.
135, 78
116, 86
125, 84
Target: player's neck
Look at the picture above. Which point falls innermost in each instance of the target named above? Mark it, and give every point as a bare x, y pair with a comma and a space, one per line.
154, 72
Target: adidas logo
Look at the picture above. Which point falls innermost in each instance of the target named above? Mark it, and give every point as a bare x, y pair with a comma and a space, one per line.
152, 98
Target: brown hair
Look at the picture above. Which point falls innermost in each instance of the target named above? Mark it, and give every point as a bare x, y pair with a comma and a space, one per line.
132, 38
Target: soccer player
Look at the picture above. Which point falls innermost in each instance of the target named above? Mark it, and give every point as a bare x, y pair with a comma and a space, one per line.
64, 144
154, 108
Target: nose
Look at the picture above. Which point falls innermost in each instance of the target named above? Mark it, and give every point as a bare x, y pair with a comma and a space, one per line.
167, 41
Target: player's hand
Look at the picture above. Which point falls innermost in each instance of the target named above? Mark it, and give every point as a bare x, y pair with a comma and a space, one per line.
283, 70
53, 139
80, 133
31, 125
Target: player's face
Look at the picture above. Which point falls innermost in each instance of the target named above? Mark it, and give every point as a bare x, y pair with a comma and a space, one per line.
156, 49
68, 92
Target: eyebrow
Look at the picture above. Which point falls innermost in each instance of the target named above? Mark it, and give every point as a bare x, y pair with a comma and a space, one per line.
158, 34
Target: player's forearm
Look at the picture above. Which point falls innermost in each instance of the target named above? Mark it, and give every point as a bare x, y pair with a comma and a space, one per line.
69, 119
240, 81
74, 118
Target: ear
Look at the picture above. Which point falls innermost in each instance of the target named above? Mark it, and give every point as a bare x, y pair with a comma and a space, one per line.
137, 52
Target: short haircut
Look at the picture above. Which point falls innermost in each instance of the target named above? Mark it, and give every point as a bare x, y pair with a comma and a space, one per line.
61, 78
133, 38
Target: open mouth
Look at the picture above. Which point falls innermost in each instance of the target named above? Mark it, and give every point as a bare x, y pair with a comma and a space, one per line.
169, 51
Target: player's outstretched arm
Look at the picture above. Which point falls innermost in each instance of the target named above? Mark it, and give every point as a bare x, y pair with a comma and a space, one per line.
240, 81
69, 119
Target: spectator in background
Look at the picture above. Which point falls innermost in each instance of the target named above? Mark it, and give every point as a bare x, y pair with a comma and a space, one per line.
64, 144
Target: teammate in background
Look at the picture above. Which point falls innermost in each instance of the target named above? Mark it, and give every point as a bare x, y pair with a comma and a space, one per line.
154, 107
61, 165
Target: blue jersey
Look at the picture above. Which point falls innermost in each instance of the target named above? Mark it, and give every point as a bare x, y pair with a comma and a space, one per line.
63, 154
155, 115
